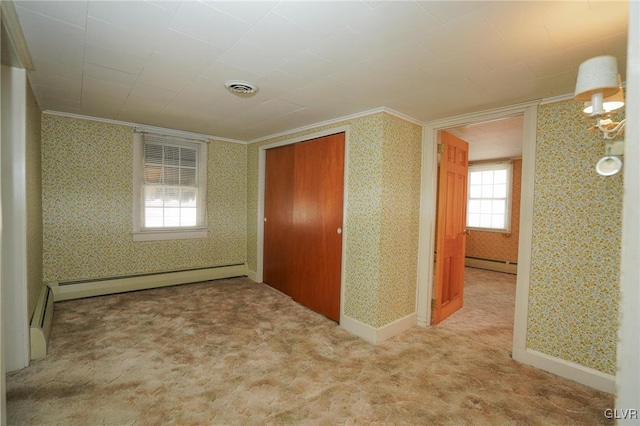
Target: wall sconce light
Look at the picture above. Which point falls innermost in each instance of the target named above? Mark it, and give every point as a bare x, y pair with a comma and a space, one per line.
600, 88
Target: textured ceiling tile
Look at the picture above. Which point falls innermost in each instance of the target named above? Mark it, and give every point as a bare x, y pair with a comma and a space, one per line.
98, 104
246, 11
105, 88
446, 11
187, 49
562, 60
168, 5
68, 92
277, 83
118, 39
142, 17
271, 108
344, 47
251, 58
282, 38
108, 74
71, 12
308, 67
59, 104
168, 73
615, 45
56, 69
466, 34
517, 47
40, 28
337, 57
512, 74
114, 60
316, 92
71, 53
139, 109
553, 85
459, 67
157, 94
220, 72
322, 18
207, 24
586, 26
394, 20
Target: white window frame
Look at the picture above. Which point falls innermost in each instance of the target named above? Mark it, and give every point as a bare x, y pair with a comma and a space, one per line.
494, 165
140, 233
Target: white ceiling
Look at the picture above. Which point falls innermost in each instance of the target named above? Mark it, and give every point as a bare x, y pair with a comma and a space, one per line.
164, 63
491, 140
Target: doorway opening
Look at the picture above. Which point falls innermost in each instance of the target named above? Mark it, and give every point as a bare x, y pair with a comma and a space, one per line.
491, 229
426, 269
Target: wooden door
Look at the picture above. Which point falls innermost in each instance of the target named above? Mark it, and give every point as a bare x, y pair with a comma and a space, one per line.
317, 217
304, 191
451, 227
278, 217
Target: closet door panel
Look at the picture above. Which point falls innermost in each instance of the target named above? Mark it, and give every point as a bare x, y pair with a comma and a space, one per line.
317, 222
278, 213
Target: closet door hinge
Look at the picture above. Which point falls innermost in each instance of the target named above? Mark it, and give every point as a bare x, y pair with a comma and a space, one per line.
440, 148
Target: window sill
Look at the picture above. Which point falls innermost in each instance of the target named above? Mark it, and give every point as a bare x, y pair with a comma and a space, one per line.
170, 235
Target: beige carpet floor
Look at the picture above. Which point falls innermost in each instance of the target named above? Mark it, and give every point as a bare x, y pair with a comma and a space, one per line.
234, 352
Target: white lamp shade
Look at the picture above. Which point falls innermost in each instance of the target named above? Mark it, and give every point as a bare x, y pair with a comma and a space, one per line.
597, 75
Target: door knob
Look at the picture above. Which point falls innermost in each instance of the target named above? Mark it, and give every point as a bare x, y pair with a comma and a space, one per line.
339, 230
466, 232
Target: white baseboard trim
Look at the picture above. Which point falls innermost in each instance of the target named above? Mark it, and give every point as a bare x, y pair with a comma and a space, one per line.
41, 323
378, 335
144, 282
492, 265
253, 276
359, 329
567, 369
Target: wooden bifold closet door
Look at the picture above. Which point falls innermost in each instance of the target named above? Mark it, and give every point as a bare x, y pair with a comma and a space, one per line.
304, 185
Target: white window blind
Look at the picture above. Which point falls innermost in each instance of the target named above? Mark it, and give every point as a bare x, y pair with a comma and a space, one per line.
172, 184
489, 196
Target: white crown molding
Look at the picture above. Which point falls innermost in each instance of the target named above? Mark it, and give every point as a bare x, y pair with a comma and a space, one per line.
486, 115
390, 111
554, 99
143, 127
402, 116
339, 120
566, 97
15, 34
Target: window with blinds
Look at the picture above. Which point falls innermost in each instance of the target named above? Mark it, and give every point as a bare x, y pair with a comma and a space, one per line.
489, 196
172, 184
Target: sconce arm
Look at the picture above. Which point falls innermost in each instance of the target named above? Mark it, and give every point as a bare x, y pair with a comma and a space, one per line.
610, 129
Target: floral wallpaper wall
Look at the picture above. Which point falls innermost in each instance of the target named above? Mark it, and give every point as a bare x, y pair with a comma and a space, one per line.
400, 215
573, 296
499, 245
34, 201
383, 190
87, 193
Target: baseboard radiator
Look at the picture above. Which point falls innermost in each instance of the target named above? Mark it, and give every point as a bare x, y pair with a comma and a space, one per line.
98, 287
492, 264
41, 322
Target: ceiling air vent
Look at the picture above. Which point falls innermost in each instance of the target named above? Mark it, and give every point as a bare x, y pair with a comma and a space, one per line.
241, 88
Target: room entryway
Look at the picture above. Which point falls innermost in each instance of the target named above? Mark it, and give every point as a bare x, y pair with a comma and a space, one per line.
489, 226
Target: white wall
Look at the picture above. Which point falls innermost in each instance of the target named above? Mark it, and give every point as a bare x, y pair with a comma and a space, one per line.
3, 392
13, 247
628, 377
